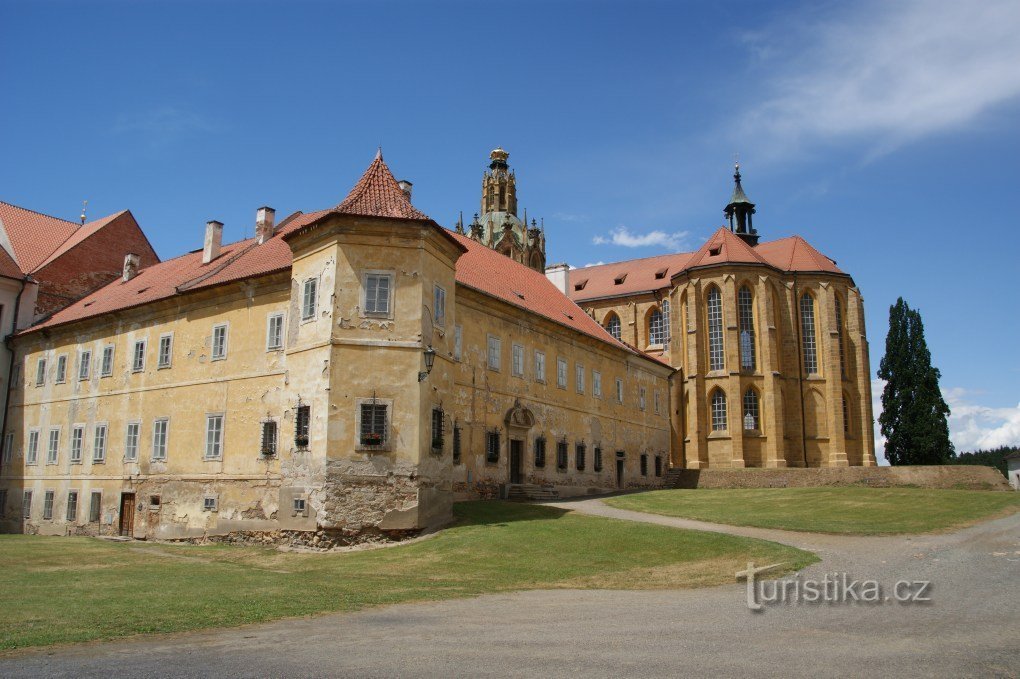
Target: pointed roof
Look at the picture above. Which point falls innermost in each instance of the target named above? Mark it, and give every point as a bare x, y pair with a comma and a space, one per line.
796, 254
32, 235
79, 235
724, 246
738, 191
377, 194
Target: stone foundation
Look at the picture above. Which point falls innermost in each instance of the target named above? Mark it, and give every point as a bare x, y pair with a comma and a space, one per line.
951, 477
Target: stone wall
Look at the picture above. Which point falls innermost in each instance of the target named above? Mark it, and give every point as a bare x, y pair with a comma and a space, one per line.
969, 477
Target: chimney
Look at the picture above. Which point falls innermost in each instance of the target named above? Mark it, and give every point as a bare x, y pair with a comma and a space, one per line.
559, 275
131, 262
265, 224
405, 186
213, 241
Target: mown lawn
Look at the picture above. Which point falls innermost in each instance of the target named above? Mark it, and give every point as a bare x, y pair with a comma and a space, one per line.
59, 590
853, 511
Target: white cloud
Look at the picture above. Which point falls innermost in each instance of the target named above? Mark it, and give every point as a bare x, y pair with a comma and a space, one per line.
598, 263
887, 72
621, 235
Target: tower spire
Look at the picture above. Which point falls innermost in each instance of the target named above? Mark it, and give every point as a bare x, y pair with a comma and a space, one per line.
740, 209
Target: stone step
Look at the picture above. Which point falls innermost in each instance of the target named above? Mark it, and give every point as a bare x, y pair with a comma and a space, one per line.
529, 492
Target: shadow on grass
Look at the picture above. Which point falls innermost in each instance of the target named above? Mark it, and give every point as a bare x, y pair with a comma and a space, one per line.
496, 512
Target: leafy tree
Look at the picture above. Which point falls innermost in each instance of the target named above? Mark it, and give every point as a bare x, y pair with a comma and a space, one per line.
914, 414
996, 457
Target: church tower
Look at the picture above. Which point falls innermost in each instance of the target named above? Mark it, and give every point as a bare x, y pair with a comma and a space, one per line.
498, 225
739, 211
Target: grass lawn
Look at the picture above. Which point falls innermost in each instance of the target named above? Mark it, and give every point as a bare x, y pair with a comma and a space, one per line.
77, 589
855, 511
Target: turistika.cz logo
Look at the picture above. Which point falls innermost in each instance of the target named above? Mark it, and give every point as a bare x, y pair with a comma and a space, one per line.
832, 588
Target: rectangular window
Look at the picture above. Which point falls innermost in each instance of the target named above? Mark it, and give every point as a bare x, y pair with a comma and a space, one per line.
492, 447
84, 364
495, 351
644, 464
8, 451
439, 305
138, 357
373, 424
619, 390
269, 431
32, 449
458, 342
302, 424
106, 363
47, 512
274, 332
641, 398
299, 505
540, 452
3, 502
561, 455
131, 441
596, 383
209, 504
72, 506
160, 431
99, 444
377, 294
658, 465
539, 366
437, 429
213, 437
26, 505
53, 447
518, 362
166, 351
598, 459
579, 378
309, 299
656, 398
456, 444
77, 443
579, 453
61, 369
561, 373
40, 372
219, 342
95, 506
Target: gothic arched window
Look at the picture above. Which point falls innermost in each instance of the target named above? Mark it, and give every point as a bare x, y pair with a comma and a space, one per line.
807, 331
752, 421
656, 335
839, 338
665, 320
745, 315
718, 410
613, 325
716, 357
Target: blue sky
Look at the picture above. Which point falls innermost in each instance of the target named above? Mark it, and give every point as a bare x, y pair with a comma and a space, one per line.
884, 133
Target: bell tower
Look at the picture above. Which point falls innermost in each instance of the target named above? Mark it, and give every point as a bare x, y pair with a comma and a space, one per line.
739, 211
499, 185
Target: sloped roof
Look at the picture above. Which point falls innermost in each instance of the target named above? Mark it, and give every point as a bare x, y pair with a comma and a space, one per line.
33, 236
724, 247
8, 267
796, 254
77, 236
377, 194
635, 276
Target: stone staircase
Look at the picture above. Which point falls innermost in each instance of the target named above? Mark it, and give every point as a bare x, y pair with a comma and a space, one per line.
673, 479
527, 492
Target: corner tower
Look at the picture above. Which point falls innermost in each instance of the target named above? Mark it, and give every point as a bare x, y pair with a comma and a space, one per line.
498, 226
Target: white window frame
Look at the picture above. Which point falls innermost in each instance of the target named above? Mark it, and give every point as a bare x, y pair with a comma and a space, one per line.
131, 447
77, 444
494, 353
53, 446
168, 339
8, 451
270, 344
100, 441
619, 390
218, 351
309, 310
596, 383
210, 503
143, 343
214, 437
391, 281
84, 365
61, 376
439, 305
517, 360
165, 421
458, 342
579, 377
106, 367
32, 446
40, 371
540, 366
561, 372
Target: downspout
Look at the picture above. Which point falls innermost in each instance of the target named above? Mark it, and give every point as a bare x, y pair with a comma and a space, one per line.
10, 366
800, 368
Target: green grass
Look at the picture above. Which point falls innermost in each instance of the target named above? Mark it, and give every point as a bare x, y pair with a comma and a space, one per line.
59, 590
852, 511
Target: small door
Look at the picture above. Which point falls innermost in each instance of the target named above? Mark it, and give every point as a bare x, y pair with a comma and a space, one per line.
127, 514
516, 461
619, 471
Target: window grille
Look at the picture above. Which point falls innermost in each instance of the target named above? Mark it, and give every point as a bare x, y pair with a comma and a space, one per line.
716, 356
492, 447
302, 422
807, 329
437, 429
745, 315
597, 461
269, 432
718, 410
561, 455
579, 454
540, 452
373, 423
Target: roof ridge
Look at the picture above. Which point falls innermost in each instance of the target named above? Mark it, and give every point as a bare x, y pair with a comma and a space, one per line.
41, 214
635, 259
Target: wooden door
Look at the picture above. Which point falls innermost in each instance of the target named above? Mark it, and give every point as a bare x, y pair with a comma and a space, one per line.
127, 514
516, 461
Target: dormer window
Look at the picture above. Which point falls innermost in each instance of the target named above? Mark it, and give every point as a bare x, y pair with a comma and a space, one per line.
580, 285
715, 252
659, 275
620, 279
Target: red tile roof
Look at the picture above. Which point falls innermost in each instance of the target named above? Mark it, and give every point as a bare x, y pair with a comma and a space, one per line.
33, 236
377, 194
77, 236
722, 247
8, 267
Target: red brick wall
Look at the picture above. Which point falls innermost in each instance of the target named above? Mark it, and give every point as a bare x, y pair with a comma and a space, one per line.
91, 264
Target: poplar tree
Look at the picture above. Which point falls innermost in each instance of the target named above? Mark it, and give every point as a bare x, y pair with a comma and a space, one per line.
914, 413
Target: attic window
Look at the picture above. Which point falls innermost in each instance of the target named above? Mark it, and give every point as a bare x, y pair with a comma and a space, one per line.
580, 286
519, 294
568, 315
141, 290
620, 279
659, 275
715, 252
89, 303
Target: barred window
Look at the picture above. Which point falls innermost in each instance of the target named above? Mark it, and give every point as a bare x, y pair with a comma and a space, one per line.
72, 506
718, 410
745, 315
656, 334
716, 356
456, 444
437, 429
644, 464
658, 465
540, 452
302, 423
751, 419
597, 461
492, 447
846, 416
561, 455
807, 330
269, 432
839, 338
613, 325
579, 461
373, 424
